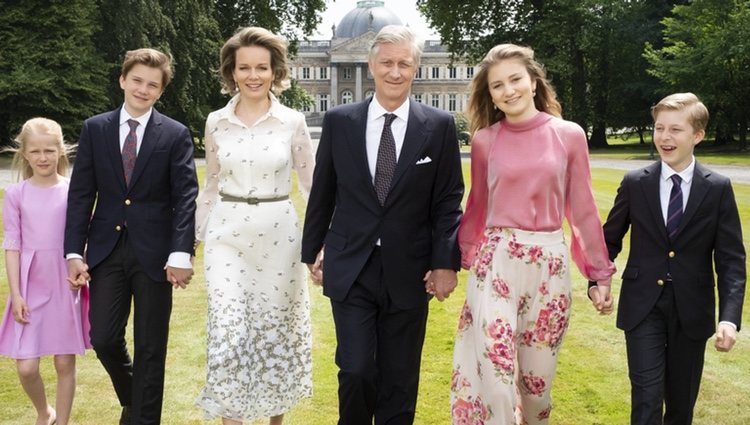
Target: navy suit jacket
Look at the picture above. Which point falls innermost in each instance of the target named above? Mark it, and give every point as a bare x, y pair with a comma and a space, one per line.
709, 239
159, 206
417, 225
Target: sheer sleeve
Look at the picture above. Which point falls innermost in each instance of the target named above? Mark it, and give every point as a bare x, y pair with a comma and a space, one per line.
588, 248
303, 157
12, 219
474, 219
210, 194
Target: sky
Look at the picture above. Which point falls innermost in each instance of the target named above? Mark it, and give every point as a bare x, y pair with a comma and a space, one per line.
405, 9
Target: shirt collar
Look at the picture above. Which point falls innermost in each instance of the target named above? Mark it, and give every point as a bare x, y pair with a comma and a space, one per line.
376, 110
686, 175
142, 120
276, 110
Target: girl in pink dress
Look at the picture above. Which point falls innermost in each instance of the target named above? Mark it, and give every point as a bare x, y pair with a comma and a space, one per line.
46, 315
529, 171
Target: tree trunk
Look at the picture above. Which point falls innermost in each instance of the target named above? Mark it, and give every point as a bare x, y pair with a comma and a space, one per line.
743, 133
598, 136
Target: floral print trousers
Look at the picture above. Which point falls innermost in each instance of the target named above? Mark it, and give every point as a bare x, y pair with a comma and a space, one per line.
511, 327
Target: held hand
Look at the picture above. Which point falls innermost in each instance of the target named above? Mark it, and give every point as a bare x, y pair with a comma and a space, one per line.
20, 310
78, 273
601, 298
316, 269
443, 281
429, 285
726, 336
178, 277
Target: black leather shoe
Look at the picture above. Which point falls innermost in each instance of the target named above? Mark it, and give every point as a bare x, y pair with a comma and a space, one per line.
125, 415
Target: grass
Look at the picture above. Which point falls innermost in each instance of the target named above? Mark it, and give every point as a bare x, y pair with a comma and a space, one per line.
591, 385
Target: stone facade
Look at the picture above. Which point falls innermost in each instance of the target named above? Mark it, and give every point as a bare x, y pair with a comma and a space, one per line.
335, 71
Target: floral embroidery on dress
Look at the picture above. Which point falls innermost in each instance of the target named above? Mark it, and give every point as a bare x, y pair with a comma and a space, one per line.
550, 325
465, 320
470, 411
501, 352
501, 287
532, 384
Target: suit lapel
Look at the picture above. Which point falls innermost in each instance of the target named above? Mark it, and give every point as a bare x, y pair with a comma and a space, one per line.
698, 190
414, 139
151, 136
112, 140
650, 185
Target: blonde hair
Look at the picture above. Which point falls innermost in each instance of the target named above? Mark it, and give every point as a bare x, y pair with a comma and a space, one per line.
697, 111
254, 36
152, 58
39, 127
482, 112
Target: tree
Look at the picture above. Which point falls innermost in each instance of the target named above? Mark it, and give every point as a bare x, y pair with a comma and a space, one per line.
591, 49
706, 51
186, 29
48, 66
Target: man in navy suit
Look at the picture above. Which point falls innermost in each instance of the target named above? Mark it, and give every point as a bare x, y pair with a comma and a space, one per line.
684, 226
385, 205
134, 169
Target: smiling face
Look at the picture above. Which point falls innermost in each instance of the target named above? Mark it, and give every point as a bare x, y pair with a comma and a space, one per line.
142, 86
393, 68
675, 138
253, 72
42, 151
512, 89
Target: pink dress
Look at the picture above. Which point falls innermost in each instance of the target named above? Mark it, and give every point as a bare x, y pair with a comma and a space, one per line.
34, 224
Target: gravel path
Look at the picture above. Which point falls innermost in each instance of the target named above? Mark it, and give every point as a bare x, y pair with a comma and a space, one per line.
738, 174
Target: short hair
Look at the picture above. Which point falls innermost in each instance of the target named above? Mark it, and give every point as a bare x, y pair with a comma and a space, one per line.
152, 58
254, 36
38, 126
396, 34
482, 112
697, 111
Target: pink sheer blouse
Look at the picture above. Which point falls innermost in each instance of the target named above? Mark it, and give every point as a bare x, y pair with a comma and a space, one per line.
529, 176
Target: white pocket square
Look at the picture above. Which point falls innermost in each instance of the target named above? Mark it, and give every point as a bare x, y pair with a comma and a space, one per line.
425, 160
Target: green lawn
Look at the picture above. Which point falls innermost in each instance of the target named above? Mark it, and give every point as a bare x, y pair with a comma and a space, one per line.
591, 386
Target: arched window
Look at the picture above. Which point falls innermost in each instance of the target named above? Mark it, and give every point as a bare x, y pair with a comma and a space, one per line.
369, 93
346, 97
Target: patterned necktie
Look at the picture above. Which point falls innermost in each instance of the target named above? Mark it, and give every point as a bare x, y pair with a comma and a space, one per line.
386, 163
674, 211
129, 151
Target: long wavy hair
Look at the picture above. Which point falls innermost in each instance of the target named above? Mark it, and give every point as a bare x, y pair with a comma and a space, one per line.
482, 112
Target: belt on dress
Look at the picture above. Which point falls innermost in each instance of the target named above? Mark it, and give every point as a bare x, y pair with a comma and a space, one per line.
251, 201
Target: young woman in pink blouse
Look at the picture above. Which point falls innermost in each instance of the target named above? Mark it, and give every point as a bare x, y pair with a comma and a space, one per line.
529, 169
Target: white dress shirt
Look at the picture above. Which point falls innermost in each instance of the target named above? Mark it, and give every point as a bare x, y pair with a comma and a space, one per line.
375, 123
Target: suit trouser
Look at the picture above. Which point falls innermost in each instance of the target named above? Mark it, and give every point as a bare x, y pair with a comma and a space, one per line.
665, 366
139, 384
379, 349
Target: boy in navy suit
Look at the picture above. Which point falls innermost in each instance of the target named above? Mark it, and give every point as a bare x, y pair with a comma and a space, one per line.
684, 226
135, 171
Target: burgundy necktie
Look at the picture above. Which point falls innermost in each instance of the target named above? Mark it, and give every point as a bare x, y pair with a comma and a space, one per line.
129, 151
674, 210
386, 163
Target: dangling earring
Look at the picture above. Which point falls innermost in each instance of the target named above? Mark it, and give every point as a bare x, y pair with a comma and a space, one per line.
494, 106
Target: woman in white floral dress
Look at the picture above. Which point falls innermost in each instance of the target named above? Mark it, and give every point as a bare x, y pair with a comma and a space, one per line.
259, 336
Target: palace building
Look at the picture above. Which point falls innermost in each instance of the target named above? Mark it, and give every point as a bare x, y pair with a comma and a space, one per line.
335, 71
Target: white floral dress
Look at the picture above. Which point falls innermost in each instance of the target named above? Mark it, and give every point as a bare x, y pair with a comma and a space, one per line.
259, 336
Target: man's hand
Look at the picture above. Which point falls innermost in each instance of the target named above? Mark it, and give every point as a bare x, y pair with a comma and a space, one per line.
20, 310
601, 298
178, 277
440, 283
316, 269
78, 273
726, 336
